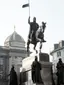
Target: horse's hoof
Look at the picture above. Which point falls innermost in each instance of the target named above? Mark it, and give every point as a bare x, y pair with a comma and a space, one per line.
44, 41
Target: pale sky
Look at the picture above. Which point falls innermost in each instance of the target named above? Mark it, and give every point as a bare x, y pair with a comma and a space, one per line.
50, 11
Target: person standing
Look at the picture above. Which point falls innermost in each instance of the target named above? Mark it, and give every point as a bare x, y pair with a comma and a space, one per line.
59, 73
13, 77
36, 68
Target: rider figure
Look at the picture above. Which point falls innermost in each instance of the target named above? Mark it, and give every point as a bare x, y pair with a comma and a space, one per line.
33, 28
40, 33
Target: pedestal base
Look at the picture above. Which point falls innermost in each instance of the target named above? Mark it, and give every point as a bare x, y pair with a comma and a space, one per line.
46, 73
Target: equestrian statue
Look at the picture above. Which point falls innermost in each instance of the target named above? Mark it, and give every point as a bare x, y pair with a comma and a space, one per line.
35, 34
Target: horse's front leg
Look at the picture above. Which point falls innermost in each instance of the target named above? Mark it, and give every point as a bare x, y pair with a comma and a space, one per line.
35, 48
40, 46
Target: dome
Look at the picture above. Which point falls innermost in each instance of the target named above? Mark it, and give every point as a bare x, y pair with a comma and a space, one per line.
14, 40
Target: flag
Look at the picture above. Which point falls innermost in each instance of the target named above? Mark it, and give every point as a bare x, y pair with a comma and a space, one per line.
25, 5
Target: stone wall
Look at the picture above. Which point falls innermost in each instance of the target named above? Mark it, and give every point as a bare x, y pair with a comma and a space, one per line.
46, 73
3, 82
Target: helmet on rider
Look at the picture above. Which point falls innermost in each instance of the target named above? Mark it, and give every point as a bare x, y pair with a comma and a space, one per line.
34, 19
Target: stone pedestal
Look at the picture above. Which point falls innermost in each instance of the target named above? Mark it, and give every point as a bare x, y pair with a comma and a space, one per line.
3, 82
44, 57
46, 72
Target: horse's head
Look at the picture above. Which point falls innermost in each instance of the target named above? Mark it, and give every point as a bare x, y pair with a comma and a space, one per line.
44, 24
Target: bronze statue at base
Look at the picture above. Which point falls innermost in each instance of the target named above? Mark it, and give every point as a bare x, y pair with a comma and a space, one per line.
36, 75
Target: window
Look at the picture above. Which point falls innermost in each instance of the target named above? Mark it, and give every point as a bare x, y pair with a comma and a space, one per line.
1, 65
1, 61
15, 57
0, 76
1, 68
58, 53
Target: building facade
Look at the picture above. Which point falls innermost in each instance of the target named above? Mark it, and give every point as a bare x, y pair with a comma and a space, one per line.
57, 53
12, 53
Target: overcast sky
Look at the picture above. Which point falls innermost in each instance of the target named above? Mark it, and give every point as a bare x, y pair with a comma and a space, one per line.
50, 11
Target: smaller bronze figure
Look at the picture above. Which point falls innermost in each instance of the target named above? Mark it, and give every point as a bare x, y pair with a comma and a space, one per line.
13, 77
60, 69
36, 75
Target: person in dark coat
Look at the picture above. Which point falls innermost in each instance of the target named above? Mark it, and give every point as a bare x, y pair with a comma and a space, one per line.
59, 74
13, 77
36, 75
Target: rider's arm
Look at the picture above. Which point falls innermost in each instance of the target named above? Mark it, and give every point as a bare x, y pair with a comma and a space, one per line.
29, 36
29, 20
30, 23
